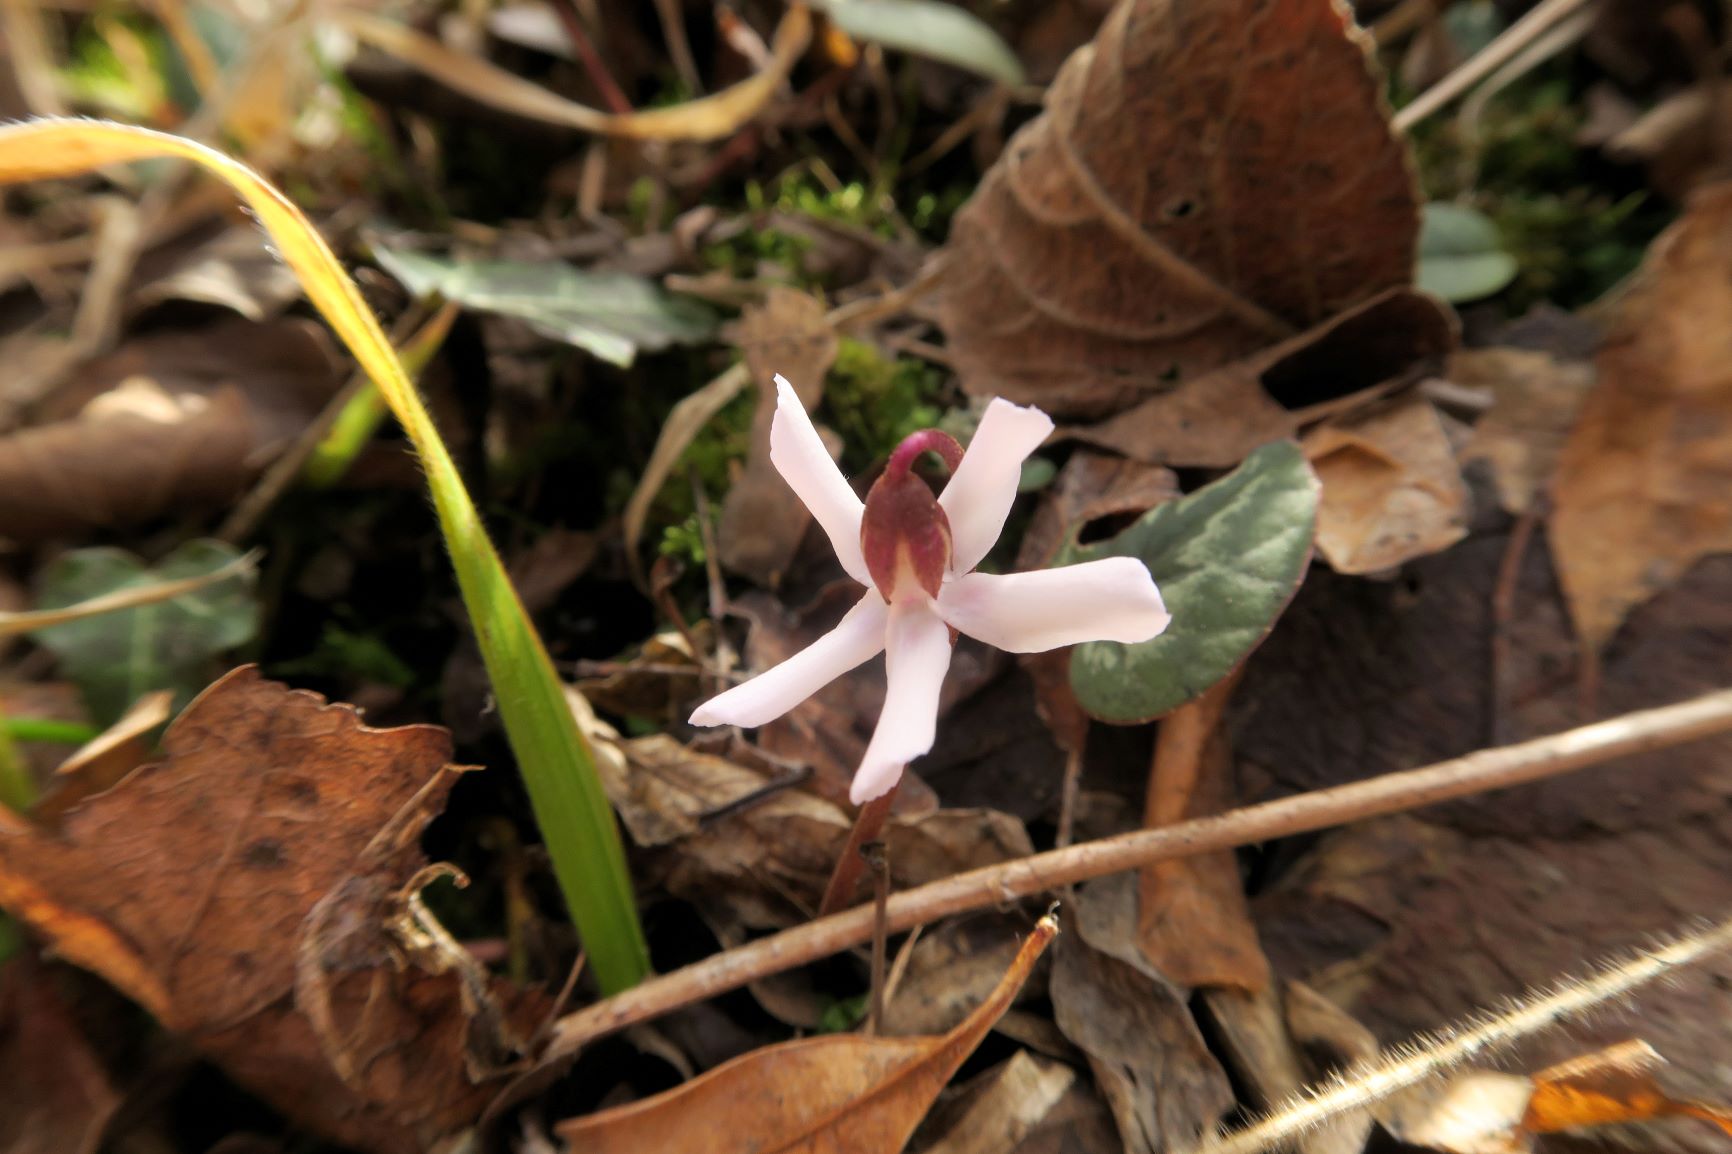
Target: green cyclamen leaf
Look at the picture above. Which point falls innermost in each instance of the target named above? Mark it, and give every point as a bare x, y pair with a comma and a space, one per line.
612, 315
1227, 559
117, 657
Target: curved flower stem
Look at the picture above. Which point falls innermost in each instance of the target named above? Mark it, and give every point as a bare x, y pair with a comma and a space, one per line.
845, 880
1639, 732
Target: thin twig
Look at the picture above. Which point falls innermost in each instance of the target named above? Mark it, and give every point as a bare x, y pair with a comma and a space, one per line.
571, 20
673, 22
1488, 60
1640, 732
1503, 599
877, 857
1073, 764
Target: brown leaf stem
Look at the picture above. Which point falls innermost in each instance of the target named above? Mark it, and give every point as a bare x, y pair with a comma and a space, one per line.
1639, 732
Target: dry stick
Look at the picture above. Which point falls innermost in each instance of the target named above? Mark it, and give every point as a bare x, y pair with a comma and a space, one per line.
1488, 60
845, 879
571, 20
1638, 732
877, 856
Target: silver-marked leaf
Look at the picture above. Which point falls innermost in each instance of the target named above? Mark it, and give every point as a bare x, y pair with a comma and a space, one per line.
929, 28
613, 315
1227, 559
118, 657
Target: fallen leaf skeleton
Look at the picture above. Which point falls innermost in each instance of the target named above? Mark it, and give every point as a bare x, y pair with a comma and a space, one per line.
916, 556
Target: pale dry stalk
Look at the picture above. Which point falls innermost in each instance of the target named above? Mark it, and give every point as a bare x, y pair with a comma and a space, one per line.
1632, 733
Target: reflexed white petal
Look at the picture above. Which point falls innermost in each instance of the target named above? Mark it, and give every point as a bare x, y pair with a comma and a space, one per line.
1113, 599
856, 638
799, 455
979, 496
916, 656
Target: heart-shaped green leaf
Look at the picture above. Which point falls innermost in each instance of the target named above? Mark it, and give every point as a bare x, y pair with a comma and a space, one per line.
1227, 559
117, 657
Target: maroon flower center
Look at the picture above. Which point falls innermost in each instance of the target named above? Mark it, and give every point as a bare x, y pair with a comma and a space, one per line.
904, 532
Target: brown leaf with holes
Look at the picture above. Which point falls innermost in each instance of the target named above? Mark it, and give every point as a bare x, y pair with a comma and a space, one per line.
254, 891
170, 422
1644, 485
1392, 490
861, 1094
762, 520
1209, 177
1215, 420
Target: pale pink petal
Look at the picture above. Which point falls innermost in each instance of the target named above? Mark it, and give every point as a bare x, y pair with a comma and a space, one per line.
979, 496
916, 656
799, 455
1113, 599
858, 637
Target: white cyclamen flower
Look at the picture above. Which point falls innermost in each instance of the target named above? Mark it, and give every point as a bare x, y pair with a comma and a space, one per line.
916, 556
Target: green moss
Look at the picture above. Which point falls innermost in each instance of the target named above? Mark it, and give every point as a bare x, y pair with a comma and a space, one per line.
874, 402
1572, 238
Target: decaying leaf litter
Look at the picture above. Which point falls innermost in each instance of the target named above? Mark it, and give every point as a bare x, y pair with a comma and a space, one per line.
1382, 340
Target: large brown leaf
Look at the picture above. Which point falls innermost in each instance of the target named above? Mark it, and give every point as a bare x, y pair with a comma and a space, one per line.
1644, 486
848, 1093
249, 890
1209, 177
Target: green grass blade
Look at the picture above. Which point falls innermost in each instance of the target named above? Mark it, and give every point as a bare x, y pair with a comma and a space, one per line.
577, 824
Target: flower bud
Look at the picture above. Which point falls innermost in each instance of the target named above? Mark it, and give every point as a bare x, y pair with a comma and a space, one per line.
904, 532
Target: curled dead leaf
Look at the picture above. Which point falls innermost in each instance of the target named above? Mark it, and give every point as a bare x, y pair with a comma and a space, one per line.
1209, 177
191, 884
864, 1095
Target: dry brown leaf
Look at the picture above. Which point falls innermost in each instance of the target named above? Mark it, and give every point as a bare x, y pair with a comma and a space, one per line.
1644, 485
56, 1098
765, 864
1209, 177
173, 421
1165, 1089
951, 968
241, 888
1489, 1112
1215, 420
1392, 490
843, 1092
1615, 1085
762, 520
1004, 1105
1535, 398
1192, 922
103, 761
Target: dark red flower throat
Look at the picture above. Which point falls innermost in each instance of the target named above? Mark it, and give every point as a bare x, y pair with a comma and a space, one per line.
904, 532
